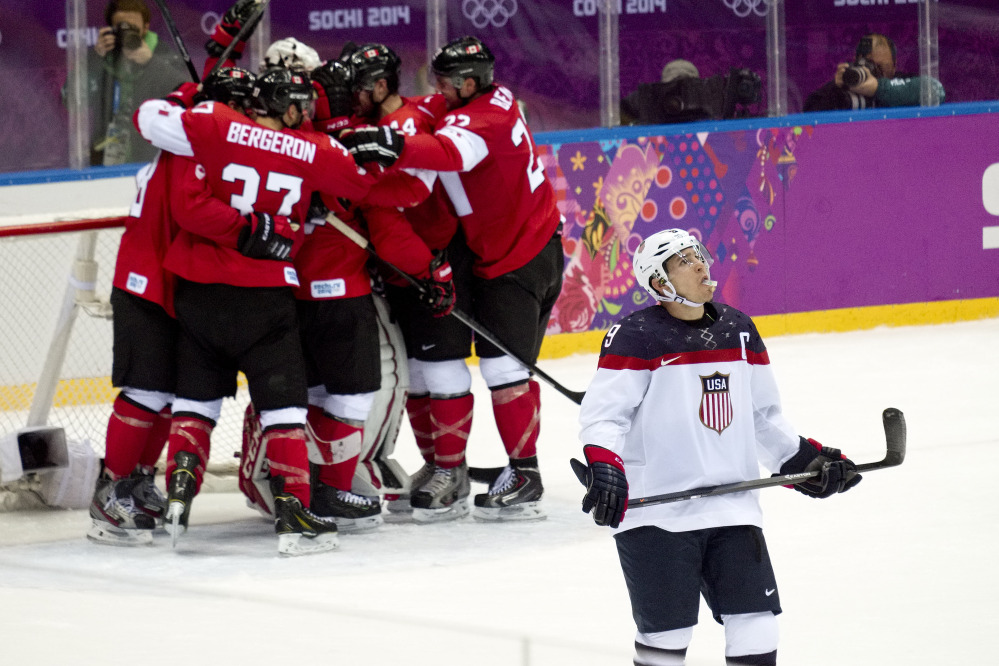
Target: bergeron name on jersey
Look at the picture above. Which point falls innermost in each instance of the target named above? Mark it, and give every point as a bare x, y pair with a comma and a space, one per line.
255, 136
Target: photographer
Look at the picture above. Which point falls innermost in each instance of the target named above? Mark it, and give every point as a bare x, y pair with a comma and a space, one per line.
128, 65
684, 97
870, 81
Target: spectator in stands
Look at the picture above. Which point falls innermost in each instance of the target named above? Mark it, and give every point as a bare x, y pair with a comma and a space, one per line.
128, 65
871, 80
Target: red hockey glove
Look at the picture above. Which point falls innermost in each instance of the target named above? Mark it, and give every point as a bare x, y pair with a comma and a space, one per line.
266, 236
837, 473
374, 144
227, 29
606, 485
437, 291
332, 82
184, 94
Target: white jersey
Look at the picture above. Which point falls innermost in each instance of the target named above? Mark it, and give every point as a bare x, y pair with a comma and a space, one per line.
688, 405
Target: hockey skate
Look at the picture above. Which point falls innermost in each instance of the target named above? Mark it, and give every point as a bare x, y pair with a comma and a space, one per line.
183, 488
444, 497
514, 495
115, 518
399, 503
299, 530
148, 497
350, 512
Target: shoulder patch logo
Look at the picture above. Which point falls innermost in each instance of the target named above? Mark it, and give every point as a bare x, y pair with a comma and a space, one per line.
716, 403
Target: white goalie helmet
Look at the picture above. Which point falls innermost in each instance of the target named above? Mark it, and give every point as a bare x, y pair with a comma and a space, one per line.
649, 262
291, 54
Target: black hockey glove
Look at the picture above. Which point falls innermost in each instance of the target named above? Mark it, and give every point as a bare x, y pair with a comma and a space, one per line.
374, 144
227, 29
437, 291
606, 485
334, 99
837, 473
266, 237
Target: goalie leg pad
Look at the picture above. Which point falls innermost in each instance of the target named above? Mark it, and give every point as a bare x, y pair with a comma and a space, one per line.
254, 473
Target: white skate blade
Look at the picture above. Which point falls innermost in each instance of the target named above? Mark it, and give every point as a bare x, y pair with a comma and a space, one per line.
106, 533
426, 516
525, 511
172, 523
358, 525
296, 544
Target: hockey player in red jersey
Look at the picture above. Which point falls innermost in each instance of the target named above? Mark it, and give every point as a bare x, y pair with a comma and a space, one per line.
486, 159
340, 327
127, 504
237, 313
440, 402
684, 397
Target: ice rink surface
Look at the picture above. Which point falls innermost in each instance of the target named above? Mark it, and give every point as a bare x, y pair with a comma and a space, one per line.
899, 571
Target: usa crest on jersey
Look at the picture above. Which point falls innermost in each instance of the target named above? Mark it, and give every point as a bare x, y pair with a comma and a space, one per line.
716, 402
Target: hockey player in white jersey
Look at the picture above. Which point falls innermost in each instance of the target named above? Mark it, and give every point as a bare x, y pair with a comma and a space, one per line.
684, 397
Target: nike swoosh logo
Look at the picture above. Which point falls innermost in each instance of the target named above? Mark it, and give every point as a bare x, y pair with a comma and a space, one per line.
426, 347
668, 361
769, 592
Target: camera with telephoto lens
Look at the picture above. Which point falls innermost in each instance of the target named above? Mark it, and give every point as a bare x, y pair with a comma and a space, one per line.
687, 99
126, 36
859, 71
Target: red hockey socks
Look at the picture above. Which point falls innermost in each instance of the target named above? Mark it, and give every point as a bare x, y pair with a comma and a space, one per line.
451, 421
418, 409
129, 429
192, 434
340, 445
157, 439
287, 456
518, 417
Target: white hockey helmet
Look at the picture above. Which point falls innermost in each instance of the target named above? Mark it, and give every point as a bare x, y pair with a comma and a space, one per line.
291, 54
649, 262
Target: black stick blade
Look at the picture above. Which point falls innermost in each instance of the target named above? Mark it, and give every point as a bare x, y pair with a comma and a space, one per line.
894, 422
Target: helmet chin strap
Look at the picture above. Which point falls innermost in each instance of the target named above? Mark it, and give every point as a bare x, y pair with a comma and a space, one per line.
672, 297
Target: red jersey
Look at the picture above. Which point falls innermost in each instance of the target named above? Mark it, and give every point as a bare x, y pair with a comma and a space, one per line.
251, 167
431, 219
495, 180
150, 229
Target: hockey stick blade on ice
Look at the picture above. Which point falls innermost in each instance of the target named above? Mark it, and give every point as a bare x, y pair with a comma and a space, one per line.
346, 230
894, 424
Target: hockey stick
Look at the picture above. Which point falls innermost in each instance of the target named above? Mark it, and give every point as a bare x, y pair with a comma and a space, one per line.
244, 32
894, 423
342, 227
172, 27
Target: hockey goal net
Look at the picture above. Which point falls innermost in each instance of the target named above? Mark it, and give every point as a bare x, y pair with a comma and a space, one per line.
55, 358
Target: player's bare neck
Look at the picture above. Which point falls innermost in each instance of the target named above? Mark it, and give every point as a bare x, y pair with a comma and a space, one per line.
275, 124
391, 104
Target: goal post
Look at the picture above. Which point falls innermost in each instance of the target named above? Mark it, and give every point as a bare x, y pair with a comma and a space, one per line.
56, 335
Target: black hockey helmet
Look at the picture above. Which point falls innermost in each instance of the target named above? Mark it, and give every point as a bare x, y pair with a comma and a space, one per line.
372, 62
465, 58
230, 84
278, 88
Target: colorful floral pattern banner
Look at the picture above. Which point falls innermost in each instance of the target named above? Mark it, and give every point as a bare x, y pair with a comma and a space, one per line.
801, 218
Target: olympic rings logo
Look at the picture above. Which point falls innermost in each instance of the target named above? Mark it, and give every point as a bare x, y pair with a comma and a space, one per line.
483, 12
208, 22
743, 8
